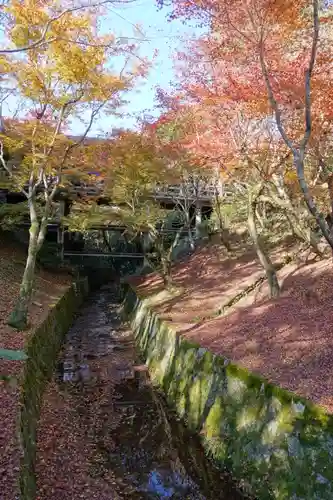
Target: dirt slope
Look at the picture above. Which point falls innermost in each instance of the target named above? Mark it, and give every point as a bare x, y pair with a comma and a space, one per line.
289, 340
48, 288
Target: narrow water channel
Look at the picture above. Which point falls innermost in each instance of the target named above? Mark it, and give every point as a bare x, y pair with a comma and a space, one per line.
141, 451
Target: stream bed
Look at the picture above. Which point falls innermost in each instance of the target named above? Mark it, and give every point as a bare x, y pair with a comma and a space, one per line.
134, 447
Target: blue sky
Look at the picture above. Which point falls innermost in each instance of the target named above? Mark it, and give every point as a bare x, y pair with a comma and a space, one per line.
163, 36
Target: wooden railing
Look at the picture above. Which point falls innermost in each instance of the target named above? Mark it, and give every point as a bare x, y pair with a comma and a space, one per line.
205, 192
202, 192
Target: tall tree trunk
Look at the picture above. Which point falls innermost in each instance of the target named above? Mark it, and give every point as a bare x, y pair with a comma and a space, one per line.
191, 239
264, 259
222, 230
259, 218
299, 163
166, 258
303, 234
166, 271
188, 220
19, 316
108, 246
300, 232
330, 191
198, 219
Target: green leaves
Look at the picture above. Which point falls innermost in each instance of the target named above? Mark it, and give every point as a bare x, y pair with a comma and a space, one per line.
12, 214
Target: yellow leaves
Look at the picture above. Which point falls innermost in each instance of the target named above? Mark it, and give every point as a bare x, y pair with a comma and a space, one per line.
20, 35
72, 61
28, 12
70, 24
104, 86
31, 81
11, 144
29, 19
133, 166
290, 177
5, 65
66, 76
71, 65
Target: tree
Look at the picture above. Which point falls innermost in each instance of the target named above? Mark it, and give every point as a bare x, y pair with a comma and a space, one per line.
132, 166
260, 100
34, 28
177, 134
58, 82
135, 167
266, 52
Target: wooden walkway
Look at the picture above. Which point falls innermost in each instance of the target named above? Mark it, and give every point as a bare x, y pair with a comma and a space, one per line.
104, 254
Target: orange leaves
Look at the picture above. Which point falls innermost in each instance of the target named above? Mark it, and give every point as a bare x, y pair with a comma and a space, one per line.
228, 76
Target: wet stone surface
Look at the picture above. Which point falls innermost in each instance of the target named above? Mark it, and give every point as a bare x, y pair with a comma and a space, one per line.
137, 449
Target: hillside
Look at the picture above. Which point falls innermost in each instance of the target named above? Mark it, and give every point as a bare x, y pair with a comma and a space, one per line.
222, 303
48, 288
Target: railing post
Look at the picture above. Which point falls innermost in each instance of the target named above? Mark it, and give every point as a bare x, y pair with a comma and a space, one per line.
61, 240
198, 218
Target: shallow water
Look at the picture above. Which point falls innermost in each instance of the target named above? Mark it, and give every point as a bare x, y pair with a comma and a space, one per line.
150, 453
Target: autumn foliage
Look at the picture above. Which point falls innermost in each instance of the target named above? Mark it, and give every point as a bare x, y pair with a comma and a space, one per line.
256, 86
56, 64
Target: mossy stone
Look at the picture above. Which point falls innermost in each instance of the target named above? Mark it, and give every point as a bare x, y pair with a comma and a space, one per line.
269, 437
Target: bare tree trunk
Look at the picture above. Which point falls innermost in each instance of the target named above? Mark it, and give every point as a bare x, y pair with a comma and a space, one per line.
330, 191
303, 234
19, 316
166, 271
298, 151
299, 163
264, 259
166, 258
299, 231
223, 235
108, 246
106, 241
198, 218
189, 229
259, 218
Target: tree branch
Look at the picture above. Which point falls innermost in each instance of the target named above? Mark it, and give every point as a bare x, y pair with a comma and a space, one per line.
308, 75
42, 40
76, 144
271, 98
7, 169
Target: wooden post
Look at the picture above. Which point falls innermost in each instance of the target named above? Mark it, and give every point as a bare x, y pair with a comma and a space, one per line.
198, 218
60, 240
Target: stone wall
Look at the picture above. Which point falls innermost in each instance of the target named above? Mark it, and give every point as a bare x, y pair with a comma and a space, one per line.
278, 445
42, 351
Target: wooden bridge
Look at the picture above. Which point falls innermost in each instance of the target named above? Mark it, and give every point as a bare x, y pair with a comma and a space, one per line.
204, 192
113, 255
127, 255
197, 196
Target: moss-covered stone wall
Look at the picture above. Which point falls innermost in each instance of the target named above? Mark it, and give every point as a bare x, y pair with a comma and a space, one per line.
277, 444
42, 350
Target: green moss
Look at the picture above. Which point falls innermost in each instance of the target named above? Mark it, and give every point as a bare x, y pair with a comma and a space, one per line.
252, 380
213, 421
269, 437
42, 350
